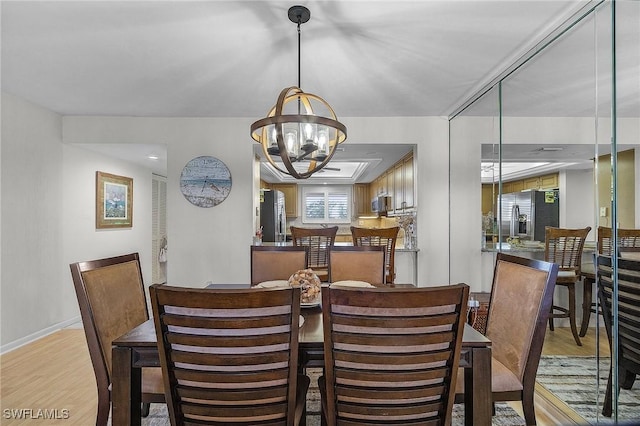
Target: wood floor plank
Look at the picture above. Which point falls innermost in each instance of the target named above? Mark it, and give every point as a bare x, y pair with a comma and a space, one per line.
54, 374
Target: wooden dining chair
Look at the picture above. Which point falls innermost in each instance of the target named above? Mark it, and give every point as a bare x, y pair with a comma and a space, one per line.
385, 237
230, 356
269, 263
391, 355
112, 301
628, 316
320, 241
520, 303
628, 240
564, 247
351, 263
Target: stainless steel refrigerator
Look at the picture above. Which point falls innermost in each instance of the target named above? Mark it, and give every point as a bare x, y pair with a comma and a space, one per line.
525, 214
273, 216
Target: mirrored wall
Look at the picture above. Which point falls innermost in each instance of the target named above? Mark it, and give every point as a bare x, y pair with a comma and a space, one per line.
549, 125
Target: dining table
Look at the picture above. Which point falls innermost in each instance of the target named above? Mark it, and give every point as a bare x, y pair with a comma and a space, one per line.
138, 348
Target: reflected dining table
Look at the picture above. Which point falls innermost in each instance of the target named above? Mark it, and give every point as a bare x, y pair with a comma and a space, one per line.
137, 349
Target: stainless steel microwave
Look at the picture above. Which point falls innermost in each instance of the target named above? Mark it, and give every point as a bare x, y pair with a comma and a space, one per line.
381, 204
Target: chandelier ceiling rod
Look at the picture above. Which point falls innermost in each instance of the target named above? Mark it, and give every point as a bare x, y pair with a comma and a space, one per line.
310, 135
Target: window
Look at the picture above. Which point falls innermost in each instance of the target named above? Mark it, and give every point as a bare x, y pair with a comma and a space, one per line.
331, 204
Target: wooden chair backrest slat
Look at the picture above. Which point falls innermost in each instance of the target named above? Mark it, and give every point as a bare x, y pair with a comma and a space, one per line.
564, 247
392, 354
320, 241
228, 355
628, 238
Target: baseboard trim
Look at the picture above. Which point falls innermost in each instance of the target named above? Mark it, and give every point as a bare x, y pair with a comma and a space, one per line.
555, 408
38, 335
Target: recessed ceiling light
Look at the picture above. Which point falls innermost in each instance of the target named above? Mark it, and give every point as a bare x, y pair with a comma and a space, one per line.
152, 157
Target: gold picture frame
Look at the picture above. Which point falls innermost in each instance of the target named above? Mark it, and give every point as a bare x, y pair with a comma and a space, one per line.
114, 201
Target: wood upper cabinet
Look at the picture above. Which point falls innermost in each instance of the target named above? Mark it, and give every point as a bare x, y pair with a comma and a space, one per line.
549, 181
398, 183
361, 199
290, 191
407, 167
398, 187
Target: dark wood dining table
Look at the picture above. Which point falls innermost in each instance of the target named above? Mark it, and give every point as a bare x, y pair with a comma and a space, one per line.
137, 349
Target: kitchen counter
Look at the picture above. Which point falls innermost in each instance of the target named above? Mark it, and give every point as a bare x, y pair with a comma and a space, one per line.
399, 248
589, 247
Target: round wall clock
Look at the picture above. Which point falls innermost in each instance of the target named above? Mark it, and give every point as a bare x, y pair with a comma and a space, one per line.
205, 181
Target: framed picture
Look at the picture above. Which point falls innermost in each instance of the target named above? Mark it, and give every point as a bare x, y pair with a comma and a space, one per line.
114, 201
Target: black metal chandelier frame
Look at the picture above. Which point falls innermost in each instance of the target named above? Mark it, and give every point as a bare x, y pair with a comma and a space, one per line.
305, 136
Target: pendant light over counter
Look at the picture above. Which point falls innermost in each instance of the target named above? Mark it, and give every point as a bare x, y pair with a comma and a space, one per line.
301, 128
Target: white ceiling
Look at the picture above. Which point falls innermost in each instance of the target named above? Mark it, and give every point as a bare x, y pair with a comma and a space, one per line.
232, 58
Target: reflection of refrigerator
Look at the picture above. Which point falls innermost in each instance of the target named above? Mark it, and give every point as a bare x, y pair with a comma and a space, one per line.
525, 214
273, 217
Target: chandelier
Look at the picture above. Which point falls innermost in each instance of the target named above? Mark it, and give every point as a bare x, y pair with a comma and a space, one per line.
301, 128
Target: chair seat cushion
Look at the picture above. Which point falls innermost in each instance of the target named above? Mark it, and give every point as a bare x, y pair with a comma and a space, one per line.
502, 379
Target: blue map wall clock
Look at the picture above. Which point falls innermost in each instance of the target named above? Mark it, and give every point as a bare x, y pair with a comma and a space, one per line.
205, 181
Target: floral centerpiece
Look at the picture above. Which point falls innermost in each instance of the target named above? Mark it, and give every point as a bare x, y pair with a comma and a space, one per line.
309, 284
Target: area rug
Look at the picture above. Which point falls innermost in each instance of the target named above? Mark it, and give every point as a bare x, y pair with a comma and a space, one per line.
505, 415
573, 380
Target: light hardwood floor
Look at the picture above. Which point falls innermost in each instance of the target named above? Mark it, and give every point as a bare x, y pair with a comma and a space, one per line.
55, 374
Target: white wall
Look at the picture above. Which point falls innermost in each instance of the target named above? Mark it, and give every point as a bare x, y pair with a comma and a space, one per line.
32, 288
213, 244
48, 221
81, 240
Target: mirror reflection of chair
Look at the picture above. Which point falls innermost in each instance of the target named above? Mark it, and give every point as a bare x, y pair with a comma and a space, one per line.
523, 289
269, 263
230, 356
319, 241
385, 237
112, 301
351, 263
629, 240
391, 354
564, 247
628, 316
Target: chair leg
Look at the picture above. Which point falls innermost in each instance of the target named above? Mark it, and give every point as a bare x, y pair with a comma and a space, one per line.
551, 319
528, 407
146, 407
587, 285
625, 378
104, 406
606, 406
572, 313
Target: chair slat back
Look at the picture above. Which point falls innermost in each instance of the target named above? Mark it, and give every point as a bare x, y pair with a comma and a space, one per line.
228, 356
628, 307
522, 289
319, 241
366, 263
270, 263
112, 301
391, 355
628, 238
565, 246
385, 237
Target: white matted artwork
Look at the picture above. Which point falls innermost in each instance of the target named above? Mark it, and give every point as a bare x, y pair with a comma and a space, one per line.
205, 181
